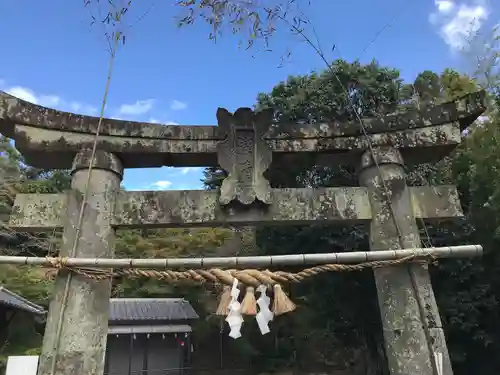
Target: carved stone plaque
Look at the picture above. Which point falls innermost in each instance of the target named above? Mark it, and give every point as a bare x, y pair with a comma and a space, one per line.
244, 155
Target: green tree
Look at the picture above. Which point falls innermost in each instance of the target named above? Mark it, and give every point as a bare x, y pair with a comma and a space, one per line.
24, 336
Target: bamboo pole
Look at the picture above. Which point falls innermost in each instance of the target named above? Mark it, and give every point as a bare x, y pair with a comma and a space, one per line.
250, 261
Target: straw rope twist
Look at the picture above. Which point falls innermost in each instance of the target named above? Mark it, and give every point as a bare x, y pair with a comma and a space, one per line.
249, 277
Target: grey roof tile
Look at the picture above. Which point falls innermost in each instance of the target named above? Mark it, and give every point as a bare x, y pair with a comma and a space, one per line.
147, 309
12, 299
128, 329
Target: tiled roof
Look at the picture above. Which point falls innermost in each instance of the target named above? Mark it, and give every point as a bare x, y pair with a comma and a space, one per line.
126, 329
147, 309
15, 300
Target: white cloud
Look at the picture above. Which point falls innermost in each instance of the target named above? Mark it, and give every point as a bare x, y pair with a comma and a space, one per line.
458, 22
28, 95
78, 107
187, 170
140, 107
161, 184
444, 6
51, 101
156, 121
23, 93
177, 105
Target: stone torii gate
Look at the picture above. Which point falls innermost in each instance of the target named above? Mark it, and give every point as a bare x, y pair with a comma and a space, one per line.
245, 144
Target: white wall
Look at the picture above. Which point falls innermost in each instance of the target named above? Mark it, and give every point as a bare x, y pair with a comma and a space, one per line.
22, 365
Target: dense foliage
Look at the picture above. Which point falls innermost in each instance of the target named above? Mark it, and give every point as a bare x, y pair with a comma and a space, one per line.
337, 325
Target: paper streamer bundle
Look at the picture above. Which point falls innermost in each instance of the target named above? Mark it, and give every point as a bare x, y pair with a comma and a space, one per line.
281, 303
265, 315
260, 308
234, 317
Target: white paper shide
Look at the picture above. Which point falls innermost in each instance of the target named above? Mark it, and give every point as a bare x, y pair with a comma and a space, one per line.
234, 317
265, 315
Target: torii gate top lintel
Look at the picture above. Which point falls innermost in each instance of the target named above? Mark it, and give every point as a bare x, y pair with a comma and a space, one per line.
49, 138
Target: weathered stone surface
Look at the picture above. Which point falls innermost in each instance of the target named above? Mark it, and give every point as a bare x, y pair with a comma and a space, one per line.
242, 241
464, 110
410, 318
16, 111
54, 149
435, 202
444, 135
244, 155
80, 345
34, 212
177, 208
98, 160
38, 212
50, 139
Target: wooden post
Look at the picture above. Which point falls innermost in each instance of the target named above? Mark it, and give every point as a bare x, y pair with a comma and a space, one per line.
410, 319
76, 330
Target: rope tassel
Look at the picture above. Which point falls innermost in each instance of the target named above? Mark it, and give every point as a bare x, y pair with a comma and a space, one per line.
249, 303
224, 301
281, 304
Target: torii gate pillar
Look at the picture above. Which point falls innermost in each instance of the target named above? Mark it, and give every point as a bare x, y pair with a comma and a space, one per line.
412, 328
75, 341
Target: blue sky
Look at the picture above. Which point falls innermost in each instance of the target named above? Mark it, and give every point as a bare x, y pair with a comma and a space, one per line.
52, 56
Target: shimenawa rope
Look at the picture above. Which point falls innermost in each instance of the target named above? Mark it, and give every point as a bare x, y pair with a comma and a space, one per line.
251, 278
